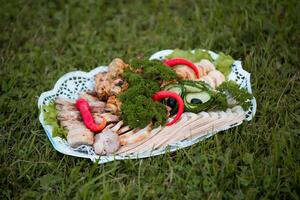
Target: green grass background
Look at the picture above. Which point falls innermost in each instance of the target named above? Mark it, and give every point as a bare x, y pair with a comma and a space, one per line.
42, 40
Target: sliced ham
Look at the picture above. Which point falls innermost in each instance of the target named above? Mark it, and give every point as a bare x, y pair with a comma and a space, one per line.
69, 125
70, 119
96, 106
117, 126
217, 76
61, 107
129, 148
190, 127
210, 81
206, 65
185, 72
76, 140
124, 129
79, 130
88, 97
108, 116
130, 133
65, 101
184, 132
151, 142
138, 136
69, 115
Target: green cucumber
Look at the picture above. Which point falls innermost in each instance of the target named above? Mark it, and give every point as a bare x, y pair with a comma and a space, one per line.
178, 89
195, 86
196, 102
198, 98
174, 87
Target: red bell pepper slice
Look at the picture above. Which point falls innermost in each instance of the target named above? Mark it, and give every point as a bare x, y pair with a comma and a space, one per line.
167, 94
84, 108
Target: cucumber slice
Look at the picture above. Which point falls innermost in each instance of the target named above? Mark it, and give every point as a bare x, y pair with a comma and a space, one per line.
196, 102
177, 90
195, 86
174, 87
190, 88
197, 98
170, 85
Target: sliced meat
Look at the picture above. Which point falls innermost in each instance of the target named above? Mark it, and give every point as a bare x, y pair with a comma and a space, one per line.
129, 133
88, 97
108, 116
79, 130
217, 76
117, 126
136, 137
83, 138
124, 129
206, 65
69, 115
61, 107
185, 72
64, 101
129, 148
71, 124
195, 126
184, 132
70, 119
150, 143
97, 106
210, 81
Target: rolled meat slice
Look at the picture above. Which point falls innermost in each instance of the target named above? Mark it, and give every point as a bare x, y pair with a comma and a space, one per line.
217, 76
129, 147
210, 81
106, 142
206, 65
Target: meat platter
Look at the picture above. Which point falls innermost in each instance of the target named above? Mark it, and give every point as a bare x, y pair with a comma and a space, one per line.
145, 107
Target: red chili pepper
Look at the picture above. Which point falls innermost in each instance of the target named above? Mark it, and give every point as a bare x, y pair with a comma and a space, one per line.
167, 94
84, 108
180, 61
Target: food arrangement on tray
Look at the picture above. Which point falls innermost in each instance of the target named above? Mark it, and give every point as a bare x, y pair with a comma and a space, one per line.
144, 107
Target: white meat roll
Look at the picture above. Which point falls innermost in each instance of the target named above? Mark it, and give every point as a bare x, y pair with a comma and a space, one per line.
217, 76
210, 81
206, 65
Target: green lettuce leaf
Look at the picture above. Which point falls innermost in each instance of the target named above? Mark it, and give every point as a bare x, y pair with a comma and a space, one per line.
223, 63
197, 56
50, 118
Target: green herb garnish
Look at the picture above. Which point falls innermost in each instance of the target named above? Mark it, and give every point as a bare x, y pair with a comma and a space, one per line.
141, 110
50, 118
241, 95
144, 78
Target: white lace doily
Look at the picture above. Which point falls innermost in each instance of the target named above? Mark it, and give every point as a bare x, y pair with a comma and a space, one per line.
71, 84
